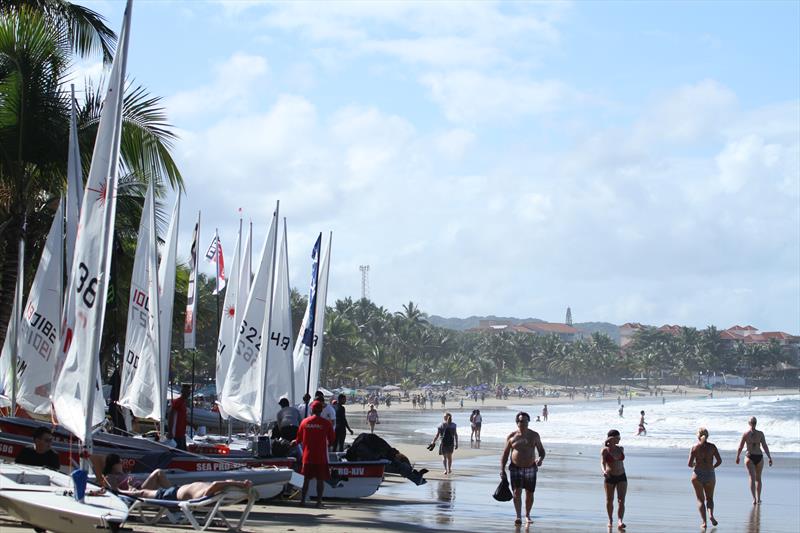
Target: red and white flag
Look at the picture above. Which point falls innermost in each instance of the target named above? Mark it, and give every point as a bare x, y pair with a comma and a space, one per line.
214, 255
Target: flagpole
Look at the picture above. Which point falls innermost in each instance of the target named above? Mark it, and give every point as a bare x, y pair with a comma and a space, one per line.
197, 306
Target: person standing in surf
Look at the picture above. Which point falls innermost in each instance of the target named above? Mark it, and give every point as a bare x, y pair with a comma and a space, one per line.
611, 459
754, 457
704, 458
522, 446
642, 424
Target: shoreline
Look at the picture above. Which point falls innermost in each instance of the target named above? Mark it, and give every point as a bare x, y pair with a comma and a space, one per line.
493, 403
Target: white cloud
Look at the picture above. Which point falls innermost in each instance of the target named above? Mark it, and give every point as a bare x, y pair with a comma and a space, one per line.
453, 143
473, 97
691, 113
230, 91
746, 160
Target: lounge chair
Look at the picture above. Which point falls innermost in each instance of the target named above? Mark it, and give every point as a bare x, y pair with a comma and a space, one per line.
200, 512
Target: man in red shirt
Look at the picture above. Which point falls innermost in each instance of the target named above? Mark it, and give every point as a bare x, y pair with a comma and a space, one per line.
176, 429
315, 434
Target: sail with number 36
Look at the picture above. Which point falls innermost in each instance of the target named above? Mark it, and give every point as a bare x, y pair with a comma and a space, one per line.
76, 383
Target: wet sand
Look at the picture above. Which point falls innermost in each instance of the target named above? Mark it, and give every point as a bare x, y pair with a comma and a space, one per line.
569, 495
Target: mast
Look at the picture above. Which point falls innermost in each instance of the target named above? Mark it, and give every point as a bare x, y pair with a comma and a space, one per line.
17, 318
271, 302
313, 315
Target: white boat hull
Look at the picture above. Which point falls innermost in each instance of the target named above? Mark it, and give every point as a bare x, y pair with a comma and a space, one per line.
267, 482
43, 498
353, 480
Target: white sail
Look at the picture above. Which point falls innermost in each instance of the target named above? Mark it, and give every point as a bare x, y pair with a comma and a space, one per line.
246, 281
74, 183
166, 299
229, 324
140, 385
75, 387
7, 382
39, 325
242, 394
280, 367
301, 351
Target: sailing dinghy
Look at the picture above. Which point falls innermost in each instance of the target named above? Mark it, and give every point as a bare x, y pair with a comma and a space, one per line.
45, 499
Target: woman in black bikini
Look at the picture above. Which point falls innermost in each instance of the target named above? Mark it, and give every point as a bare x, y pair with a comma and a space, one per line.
704, 458
754, 458
611, 459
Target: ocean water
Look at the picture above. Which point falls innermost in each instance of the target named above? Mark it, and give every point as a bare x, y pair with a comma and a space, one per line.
670, 425
569, 495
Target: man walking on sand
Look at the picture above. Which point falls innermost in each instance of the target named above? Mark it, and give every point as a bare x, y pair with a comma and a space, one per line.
522, 446
315, 434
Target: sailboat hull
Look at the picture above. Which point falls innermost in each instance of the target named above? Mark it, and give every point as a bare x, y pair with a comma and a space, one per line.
43, 498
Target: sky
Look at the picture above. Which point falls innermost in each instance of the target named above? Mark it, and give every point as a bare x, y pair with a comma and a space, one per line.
635, 161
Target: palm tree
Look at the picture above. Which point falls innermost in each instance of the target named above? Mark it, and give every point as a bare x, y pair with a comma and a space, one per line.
85, 29
36, 47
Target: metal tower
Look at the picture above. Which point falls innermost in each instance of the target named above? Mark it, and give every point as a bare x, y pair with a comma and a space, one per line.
568, 321
364, 281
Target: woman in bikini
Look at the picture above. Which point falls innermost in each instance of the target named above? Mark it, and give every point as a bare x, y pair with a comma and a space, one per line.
704, 458
611, 458
754, 457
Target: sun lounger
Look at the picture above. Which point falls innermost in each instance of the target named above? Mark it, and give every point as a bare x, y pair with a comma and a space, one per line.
200, 512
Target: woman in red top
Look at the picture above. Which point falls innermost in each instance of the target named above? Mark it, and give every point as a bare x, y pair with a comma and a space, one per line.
611, 459
315, 434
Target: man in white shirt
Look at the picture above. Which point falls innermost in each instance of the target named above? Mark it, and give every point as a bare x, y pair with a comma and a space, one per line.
328, 412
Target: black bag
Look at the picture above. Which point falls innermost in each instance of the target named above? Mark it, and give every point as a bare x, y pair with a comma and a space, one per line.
503, 493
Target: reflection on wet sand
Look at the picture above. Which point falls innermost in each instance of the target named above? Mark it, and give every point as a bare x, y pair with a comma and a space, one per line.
754, 525
446, 495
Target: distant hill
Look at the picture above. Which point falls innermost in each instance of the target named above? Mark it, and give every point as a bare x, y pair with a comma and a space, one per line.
463, 324
612, 330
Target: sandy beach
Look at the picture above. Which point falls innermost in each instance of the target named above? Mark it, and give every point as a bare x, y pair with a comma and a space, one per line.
569, 494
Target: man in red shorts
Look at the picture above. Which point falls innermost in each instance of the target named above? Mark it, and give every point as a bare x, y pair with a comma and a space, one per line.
315, 434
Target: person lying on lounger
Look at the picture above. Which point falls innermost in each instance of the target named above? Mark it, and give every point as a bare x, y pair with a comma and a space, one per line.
157, 486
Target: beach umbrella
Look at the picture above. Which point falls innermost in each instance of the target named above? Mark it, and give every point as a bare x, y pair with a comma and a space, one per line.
373, 387
390, 388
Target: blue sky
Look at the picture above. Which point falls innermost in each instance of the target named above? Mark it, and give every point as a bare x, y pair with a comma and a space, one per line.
637, 161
